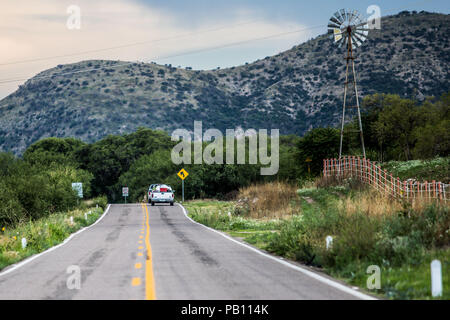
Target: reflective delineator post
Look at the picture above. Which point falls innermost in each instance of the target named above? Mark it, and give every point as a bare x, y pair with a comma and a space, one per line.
329, 241
24, 243
436, 278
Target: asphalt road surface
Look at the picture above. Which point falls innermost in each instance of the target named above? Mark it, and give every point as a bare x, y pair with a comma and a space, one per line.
142, 252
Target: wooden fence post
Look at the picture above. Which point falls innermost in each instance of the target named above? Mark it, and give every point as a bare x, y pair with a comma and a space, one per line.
392, 185
406, 189
434, 189
385, 181
418, 189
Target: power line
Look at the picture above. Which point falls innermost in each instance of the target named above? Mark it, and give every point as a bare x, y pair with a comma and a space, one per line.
3, 81
129, 44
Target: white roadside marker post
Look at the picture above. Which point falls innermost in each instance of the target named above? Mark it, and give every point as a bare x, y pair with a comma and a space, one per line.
329, 240
85, 216
24, 243
71, 220
436, 278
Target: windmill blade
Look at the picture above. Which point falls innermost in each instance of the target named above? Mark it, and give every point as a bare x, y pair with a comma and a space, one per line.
353, 16
338, 17
337, 35
355, 41
335, 21
346, 14
362, 30
343, 14
357, 20
358, 37
333, 25
361, 24
361, 34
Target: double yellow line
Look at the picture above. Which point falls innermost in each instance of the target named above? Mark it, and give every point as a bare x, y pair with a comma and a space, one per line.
149, 279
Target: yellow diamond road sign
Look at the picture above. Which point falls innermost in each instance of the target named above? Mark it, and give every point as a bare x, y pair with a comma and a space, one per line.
183, 174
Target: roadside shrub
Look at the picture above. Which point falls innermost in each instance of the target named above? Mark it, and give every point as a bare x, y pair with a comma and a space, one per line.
356, 240
11, 211
31, 191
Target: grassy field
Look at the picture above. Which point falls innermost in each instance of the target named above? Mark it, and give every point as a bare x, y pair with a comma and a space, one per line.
367, 229
46, 232
423, 170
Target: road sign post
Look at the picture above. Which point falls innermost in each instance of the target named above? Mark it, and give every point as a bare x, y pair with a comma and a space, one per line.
125, 193
182, 175
78, 188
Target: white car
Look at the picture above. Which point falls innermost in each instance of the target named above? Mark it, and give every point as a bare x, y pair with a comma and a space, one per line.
162, 194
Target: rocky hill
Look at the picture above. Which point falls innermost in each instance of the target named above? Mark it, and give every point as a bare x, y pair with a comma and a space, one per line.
293, 91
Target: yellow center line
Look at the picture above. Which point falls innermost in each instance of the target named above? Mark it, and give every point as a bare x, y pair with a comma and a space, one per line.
136, 282
149, 279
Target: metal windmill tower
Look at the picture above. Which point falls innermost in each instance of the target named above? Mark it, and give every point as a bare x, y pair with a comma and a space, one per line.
347, 28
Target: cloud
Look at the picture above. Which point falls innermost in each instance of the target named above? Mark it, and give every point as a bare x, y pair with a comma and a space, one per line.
33, 30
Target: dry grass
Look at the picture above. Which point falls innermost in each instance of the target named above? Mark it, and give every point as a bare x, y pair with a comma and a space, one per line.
269, 200
372, 203
376, 204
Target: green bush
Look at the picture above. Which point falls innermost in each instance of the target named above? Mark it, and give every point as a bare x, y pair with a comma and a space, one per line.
31, 191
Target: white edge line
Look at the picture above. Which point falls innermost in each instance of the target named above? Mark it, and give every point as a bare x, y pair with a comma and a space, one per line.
290, 265
35, 256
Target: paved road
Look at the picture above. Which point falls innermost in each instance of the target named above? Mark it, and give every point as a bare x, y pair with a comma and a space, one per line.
141, 252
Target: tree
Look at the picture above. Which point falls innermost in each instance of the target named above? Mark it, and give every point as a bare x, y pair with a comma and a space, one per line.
317, 145
395, 125
53, 150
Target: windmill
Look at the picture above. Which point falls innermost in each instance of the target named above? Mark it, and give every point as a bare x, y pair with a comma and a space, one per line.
347, 28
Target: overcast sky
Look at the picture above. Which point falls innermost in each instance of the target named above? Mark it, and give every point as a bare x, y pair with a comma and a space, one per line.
203, 34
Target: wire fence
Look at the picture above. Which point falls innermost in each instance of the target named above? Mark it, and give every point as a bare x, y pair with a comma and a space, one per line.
370, 173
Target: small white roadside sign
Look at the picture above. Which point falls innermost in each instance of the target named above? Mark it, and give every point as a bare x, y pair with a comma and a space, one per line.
78, 187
